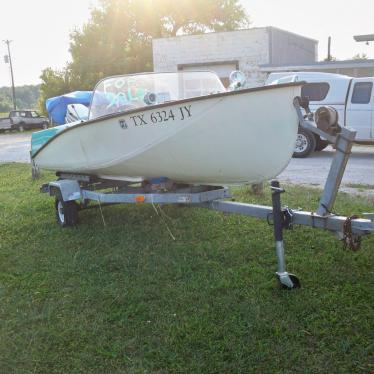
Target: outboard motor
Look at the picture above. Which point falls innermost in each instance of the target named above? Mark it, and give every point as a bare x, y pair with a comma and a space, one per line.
237, 80
150, 98
326, 119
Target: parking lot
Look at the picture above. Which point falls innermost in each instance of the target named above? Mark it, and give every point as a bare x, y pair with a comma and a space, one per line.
311, 171
15, 147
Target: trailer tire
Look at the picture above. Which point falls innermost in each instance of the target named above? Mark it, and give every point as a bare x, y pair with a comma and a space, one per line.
305, 143
66, 212
295, 281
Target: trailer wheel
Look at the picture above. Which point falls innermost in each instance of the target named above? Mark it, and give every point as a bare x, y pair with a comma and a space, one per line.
66, 212
294, 279
305, 143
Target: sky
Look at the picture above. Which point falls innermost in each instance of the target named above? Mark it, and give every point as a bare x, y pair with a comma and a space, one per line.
39, 29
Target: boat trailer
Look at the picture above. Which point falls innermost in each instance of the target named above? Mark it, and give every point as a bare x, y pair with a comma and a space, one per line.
71, 188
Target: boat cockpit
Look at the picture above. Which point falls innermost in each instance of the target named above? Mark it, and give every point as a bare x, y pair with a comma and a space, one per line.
128, 92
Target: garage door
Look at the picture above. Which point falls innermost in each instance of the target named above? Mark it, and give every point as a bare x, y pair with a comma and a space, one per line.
222, 70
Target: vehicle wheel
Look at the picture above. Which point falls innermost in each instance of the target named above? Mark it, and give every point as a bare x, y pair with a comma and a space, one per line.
66, 212
21, 127
305, 143
295, 281
45, 125
321, 144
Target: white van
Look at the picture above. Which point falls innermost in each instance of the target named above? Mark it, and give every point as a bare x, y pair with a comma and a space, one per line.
353, 98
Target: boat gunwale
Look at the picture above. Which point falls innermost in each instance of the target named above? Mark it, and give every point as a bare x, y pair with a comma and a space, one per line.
169, 103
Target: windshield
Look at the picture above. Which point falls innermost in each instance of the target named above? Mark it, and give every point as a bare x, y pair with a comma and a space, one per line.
122, 93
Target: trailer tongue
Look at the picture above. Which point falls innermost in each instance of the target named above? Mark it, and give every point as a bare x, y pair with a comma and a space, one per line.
71, 188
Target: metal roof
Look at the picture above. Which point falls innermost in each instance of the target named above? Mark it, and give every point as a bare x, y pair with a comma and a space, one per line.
364, 38
347, 64
267, 28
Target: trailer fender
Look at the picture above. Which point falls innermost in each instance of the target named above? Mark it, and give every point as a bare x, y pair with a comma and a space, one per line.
69, 190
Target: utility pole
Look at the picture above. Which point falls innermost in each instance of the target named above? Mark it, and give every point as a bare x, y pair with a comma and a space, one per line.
7, 42
329, 49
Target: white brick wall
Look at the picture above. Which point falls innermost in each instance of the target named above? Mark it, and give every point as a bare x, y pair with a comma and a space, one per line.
249, 47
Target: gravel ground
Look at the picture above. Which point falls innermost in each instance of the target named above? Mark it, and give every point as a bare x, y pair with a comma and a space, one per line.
311, 171
15, 147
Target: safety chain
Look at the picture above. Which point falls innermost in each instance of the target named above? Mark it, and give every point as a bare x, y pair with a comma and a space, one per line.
351, 241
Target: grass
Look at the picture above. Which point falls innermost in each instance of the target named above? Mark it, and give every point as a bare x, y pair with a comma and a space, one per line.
360, 187
127, 298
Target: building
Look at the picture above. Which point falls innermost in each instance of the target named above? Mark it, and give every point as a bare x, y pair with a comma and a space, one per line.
257, 52
353, 68
223, 52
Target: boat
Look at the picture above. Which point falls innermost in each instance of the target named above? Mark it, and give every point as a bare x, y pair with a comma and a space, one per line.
68, 108
184, 126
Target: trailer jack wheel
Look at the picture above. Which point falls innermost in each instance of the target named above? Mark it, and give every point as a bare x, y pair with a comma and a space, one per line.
66, 212
288, 281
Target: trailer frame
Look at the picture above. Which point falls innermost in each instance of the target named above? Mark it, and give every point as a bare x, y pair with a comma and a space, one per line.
71, 188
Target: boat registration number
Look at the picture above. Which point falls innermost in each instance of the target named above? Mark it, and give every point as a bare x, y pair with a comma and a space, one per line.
157, 117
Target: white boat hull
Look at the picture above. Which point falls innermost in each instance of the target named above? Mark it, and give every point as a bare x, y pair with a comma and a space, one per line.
235, 138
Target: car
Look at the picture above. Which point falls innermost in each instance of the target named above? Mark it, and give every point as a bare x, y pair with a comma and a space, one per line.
24, 120
352, 98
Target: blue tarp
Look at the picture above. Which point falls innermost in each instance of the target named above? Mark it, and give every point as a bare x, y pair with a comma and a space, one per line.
56, 106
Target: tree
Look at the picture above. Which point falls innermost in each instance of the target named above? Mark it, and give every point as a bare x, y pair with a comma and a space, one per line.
332, 58
117, 39
358, 56
54, 83
26, 96
5, 103
164, 18
103, 46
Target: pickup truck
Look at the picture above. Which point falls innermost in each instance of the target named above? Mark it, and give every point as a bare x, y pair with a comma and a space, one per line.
353, 99
23, 120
